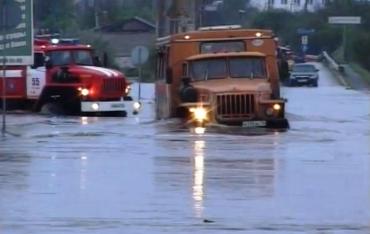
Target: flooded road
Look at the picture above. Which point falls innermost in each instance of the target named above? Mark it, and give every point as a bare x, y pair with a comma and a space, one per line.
135, 175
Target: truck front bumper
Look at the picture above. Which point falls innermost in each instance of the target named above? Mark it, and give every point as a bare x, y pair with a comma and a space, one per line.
103, 106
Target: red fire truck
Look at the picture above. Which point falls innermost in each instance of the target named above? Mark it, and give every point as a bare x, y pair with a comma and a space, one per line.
66, 78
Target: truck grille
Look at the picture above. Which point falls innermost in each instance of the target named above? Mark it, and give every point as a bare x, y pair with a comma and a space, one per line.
113, 86
235, 106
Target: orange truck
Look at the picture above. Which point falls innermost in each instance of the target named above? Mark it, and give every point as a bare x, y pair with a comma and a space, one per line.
220, 75
66, 78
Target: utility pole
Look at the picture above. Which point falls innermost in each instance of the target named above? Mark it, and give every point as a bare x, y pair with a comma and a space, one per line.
161, 18
96, 13
198, 13
3, 26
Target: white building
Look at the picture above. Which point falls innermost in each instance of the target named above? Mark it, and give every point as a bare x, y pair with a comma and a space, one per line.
289, 5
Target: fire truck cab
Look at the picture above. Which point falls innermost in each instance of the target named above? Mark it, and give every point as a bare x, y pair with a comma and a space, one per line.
67, 78
220, 75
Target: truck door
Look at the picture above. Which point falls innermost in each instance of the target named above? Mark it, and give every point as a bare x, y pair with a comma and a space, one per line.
14, 82
36, 77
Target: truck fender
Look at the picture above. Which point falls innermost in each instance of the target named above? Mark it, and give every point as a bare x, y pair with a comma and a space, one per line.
56, 95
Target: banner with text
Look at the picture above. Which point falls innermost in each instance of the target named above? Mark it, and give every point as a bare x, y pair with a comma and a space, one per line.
16, 38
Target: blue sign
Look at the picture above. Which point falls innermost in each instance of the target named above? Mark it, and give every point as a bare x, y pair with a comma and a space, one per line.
305, 31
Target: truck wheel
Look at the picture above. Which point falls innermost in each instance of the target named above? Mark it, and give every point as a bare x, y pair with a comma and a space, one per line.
315, 83
51, 109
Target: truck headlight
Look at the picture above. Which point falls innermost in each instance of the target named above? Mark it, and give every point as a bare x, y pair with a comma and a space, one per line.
276, 107
199, 113
127, 89
84, 91
273, 110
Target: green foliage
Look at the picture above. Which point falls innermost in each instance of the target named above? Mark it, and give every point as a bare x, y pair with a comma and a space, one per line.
232, 11
361, 48
112, 11
143, 9
55, 15
326, 37
359, 69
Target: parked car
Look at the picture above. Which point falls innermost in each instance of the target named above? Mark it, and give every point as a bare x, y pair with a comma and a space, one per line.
303, 74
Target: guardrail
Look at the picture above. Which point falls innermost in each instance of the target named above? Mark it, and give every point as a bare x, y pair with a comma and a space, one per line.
336, 67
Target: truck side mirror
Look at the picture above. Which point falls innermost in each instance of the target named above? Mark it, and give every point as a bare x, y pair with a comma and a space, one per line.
169, 76
186, 80
39, 60
105, 59
48, 62
97, 61
185, 69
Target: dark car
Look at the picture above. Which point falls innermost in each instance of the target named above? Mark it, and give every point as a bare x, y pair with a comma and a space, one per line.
303, 74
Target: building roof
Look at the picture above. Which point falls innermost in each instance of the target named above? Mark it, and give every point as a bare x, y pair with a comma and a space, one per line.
132, 25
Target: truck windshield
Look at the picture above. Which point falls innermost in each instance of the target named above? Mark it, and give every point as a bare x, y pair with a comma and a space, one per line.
208, 69
66, 57
247, 68
82, 57
221, 68
60, 58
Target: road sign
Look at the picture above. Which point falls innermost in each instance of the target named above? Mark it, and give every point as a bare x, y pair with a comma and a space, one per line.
16, 40
304, 40
305, 31
345, 20
139, 55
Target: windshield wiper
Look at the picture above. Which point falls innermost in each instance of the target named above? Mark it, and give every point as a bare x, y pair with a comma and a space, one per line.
205, 74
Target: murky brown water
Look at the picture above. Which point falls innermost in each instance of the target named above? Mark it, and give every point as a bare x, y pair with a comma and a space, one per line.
135, 175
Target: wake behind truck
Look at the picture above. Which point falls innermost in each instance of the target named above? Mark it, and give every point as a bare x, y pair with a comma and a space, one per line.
220, 75
65, 78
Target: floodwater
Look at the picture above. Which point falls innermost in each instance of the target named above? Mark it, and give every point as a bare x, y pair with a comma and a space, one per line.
136, 175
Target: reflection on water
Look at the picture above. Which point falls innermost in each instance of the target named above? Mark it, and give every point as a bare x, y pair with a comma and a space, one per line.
84, 120
198, 177
83, 171
199, 130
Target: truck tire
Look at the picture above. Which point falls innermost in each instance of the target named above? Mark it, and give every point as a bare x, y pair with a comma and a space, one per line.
52, 109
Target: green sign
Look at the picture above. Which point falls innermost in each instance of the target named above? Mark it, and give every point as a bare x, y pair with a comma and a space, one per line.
16, 37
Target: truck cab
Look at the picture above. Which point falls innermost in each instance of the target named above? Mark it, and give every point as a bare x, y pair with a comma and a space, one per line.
230, 88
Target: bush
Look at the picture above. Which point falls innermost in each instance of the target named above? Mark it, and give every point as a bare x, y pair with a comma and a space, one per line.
361, 49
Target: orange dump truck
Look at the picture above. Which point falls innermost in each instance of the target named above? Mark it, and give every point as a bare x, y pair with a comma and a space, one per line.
220, 75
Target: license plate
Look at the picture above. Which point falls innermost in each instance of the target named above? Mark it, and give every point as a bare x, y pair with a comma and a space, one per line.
117, 105
302, 80
252, 124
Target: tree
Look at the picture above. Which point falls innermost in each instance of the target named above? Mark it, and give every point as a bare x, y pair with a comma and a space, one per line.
55, 15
